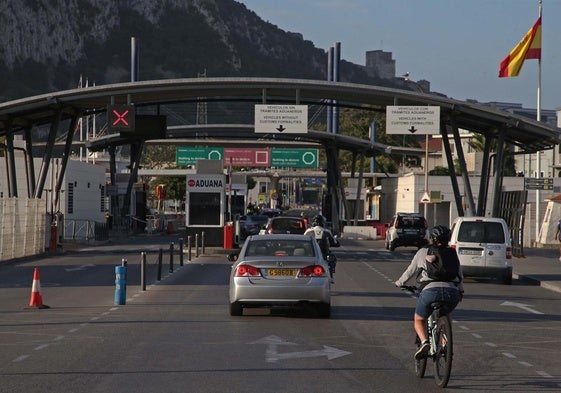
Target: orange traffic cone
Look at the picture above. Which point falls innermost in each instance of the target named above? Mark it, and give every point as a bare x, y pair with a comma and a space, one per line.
36, 299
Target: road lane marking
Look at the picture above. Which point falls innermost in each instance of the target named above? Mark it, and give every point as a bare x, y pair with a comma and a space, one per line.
522, 306
272, 355
526, 364
492, 345
40, 347
509, 355
476, 335
544, 374
20, 358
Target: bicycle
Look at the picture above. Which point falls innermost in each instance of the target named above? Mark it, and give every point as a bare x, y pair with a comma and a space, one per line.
441, 344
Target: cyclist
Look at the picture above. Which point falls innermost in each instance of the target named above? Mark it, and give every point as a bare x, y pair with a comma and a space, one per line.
325, 239
449, 292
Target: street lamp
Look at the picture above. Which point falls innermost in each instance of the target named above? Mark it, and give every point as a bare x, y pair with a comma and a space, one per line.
426, 191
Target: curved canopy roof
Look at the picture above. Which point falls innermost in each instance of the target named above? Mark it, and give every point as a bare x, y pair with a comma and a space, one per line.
527, 134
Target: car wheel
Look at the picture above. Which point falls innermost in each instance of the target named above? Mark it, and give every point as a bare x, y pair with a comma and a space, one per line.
324, 310
236, 309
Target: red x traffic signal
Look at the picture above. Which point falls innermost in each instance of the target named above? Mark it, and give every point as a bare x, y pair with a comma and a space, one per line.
120, 118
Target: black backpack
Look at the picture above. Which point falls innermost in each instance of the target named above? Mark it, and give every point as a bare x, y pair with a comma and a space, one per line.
446, 266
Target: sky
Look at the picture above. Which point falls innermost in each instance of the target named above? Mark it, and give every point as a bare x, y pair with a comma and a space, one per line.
456, 45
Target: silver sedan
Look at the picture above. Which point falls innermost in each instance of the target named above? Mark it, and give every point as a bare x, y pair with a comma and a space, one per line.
279, 270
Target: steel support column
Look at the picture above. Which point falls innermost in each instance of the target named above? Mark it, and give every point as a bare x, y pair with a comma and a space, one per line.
30, 162
359, 188
65, 157
136, 154
451, 168
11, 162
484, 182
499, 167
463, 167
47, 155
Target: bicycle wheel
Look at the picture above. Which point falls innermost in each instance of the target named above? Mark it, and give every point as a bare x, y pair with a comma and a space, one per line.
444, 351
421, 364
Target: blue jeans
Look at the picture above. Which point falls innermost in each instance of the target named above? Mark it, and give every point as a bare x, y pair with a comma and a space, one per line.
449, 296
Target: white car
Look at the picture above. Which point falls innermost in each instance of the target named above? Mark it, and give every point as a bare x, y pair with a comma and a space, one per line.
406, 230
279, 270
484, 247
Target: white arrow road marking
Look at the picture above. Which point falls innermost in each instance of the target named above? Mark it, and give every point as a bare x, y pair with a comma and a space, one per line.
83, 267
330, 352
271, 355
522, 306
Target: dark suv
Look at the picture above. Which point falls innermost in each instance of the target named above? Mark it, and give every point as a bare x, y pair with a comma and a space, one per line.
406, 230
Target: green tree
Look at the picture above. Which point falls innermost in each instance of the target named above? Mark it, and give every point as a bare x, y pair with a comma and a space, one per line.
477, 143
356, 122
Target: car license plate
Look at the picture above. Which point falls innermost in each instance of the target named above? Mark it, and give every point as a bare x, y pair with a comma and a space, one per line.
470, 252
281, 272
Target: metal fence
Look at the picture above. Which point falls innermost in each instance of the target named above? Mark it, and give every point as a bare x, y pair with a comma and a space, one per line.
22, 227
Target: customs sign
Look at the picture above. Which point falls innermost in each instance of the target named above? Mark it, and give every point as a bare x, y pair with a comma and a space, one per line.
419, 120
277, 119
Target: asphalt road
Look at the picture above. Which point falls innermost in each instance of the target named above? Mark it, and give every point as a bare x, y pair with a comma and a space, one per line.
177, 335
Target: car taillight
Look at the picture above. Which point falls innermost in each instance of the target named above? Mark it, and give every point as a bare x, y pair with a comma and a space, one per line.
508, 253
247, 271
269, 230
312, 271
453, 246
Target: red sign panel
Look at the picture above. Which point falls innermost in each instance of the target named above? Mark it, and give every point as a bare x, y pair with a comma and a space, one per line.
120, 118
251, 157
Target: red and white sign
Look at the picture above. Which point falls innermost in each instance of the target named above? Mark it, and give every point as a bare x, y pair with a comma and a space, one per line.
253, 157
205, 183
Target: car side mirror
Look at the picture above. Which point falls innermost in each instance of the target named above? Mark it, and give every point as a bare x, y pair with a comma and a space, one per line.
233, 257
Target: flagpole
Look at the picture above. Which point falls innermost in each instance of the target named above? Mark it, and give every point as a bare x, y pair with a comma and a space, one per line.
538, 118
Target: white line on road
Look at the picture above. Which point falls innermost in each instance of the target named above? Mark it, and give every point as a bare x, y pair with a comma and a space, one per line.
544, 374
526, 364
476, 335
509, 355
20, 358
492, 345
40, 347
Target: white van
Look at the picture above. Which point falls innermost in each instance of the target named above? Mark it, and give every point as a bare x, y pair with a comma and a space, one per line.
484, 247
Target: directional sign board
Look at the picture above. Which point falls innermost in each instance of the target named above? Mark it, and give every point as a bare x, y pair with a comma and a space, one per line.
190, 155
294, 158
277, 119
247, 157
538, 183
418, 120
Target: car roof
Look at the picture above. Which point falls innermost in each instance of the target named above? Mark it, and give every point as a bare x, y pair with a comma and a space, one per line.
479, 218
280, 236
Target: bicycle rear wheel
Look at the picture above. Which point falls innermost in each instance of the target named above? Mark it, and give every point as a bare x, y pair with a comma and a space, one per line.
444, 351
421, 364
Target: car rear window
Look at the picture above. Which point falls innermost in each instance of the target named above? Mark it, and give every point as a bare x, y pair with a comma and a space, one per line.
481, 232
257, 219
410, 222
300, 248
288, 223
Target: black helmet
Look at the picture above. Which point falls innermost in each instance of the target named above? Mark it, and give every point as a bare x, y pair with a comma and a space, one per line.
319, 220
440, 235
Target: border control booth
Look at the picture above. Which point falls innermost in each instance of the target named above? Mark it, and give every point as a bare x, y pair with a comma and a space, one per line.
205, 202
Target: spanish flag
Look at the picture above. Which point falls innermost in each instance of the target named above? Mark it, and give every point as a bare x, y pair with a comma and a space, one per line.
530, 47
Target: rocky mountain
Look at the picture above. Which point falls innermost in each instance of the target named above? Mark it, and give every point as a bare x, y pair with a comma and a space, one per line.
46, 45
